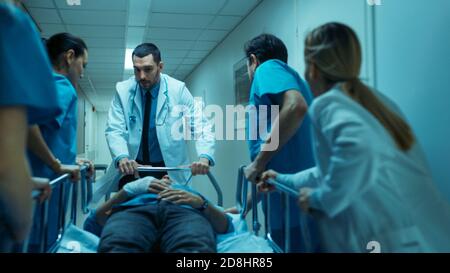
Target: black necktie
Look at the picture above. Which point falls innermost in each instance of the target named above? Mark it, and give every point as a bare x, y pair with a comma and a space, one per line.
145, 130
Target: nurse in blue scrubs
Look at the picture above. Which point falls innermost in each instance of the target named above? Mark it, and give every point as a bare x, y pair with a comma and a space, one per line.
69, 56
27, 96
274, 83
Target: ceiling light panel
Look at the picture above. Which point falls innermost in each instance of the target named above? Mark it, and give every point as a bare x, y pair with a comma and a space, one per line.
191, 6
117, 5
171, 20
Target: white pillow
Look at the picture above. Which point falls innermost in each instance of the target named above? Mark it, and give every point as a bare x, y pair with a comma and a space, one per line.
239, 224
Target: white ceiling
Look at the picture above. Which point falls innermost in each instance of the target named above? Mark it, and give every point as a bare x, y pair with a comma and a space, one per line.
184, 30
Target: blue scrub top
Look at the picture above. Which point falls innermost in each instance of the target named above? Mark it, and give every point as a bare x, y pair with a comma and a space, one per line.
271, 80
60, 133
25, 72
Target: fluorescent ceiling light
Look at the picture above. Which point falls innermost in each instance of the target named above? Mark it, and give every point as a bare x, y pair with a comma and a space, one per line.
128, 59
74, 2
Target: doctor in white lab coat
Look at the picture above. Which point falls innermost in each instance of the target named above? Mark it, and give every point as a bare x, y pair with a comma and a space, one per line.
174, 115
371, 189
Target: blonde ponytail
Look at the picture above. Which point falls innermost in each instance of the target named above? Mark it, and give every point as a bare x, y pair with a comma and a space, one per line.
399, 130
335, 49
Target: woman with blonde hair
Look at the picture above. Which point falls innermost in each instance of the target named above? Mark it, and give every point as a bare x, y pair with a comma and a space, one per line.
371, 182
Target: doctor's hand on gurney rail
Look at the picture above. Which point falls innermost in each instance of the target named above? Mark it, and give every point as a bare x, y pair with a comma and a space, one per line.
43, 186
201, 167
304, 193
91, 168
261, 187
127, 167
253, 171
73, 170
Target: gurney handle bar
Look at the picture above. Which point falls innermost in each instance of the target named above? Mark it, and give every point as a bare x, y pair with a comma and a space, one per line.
283, 188
169, 169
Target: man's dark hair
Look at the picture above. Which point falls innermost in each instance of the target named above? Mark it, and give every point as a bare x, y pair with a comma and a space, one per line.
60, 43
146, 49
266, 47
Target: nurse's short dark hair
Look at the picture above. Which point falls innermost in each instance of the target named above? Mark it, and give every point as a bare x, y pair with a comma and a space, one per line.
60, 43
146, 49
266, 47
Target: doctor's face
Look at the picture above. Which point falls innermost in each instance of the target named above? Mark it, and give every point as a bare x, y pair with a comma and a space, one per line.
147, 71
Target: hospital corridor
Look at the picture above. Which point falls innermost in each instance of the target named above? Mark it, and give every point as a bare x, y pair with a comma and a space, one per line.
224, 126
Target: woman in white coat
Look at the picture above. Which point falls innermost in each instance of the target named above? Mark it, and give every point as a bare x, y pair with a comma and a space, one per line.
371, 185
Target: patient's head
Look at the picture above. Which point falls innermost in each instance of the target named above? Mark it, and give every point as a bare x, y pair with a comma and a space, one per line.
166, 178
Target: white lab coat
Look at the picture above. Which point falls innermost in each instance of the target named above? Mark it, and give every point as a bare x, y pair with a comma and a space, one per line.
124, 127
365, 188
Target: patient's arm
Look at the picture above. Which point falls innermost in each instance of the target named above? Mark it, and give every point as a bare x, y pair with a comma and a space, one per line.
141, 186
103, 211
216, 217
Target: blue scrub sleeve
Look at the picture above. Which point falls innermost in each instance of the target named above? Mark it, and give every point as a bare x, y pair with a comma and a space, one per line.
274, 77
25, 72
66, 97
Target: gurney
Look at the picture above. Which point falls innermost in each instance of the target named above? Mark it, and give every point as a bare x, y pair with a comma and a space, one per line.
69, 195
72, 239
241, 201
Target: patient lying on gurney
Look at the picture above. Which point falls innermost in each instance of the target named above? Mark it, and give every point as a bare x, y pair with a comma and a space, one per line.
151, 215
